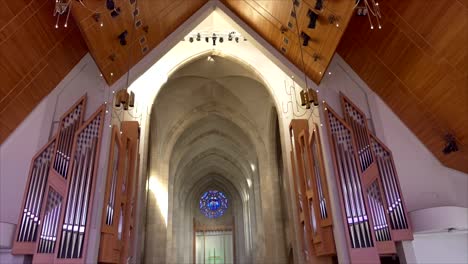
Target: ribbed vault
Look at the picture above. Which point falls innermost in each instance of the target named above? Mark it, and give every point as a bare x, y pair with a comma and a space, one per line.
210, 129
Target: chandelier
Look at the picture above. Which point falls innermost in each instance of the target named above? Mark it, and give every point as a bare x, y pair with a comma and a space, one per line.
371, 9
61, 7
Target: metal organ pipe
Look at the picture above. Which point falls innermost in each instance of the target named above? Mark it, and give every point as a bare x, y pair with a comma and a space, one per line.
69, 124
79, 192
47, 185
27, 228
74, 225
354, 203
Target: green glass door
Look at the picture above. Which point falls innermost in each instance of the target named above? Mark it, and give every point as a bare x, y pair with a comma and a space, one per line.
214, 247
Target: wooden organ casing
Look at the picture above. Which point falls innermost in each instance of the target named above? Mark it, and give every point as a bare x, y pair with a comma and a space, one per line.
74, 223
118, 221
400, 223
51, 176
36, 185
371, 182
354, 206
311, 191
383, 172
45, 180
352, 142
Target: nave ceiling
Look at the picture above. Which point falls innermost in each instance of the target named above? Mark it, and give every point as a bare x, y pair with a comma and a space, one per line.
211, 129
415, 63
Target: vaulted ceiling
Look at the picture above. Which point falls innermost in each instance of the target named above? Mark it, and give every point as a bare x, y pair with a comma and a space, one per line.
417, 63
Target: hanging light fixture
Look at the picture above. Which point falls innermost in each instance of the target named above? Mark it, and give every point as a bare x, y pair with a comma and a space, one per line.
215, 37
308, 96
371, 9
64, 6
61, 7
123, 98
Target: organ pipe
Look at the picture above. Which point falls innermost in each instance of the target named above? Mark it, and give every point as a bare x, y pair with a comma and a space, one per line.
371, 200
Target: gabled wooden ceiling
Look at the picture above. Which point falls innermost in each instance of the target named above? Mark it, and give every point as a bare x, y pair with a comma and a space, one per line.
268, 18
34, 57
160, 18
29, 38
152, 23
418, 64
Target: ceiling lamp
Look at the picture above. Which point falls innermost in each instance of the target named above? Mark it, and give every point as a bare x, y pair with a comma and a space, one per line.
123, 98
61, 6
215, 37
308, 96
371, 9
450, 144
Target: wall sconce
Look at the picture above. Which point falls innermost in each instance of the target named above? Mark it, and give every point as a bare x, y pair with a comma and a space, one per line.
316, 56
450, 144
319, 5
313, 19
305, 39
123, 38
309, 96
332, 19
214, 39
125, 99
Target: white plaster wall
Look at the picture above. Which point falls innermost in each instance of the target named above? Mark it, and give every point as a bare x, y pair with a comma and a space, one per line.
449, 248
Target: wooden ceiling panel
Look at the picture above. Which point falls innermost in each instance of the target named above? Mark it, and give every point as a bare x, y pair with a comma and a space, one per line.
5, 14
270, 18
160, 17
277, 9
440, 23
417, 63
413, 65
35, 57
14, 6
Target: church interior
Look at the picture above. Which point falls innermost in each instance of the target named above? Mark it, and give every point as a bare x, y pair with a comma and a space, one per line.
234, 131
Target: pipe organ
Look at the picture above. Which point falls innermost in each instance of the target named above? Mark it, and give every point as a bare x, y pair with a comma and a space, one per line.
310, 185
81, 178
54, 226
26, 232
118, 220
373, 210
396, 208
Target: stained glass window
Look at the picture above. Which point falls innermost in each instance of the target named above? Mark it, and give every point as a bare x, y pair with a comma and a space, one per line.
213, 204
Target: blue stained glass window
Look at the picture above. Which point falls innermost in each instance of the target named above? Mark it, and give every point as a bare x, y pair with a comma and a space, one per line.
213, 203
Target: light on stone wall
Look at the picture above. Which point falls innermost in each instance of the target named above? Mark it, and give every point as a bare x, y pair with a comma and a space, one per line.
159, 192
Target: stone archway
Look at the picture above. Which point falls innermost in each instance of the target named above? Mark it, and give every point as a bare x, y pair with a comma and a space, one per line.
210, 128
